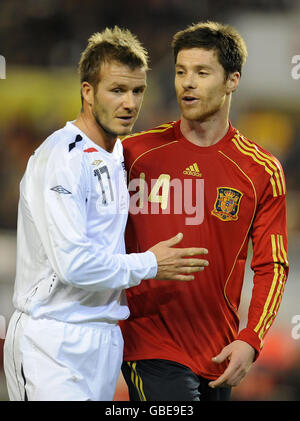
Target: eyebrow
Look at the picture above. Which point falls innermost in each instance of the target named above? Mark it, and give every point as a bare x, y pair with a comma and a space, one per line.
197, 66
124, 86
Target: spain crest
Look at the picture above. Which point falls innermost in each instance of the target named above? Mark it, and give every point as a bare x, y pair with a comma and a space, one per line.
227, 204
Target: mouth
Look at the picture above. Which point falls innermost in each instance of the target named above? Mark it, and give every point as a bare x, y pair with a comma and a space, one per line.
126, 118
188, 99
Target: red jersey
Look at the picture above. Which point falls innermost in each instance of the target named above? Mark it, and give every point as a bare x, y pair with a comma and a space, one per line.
219, 197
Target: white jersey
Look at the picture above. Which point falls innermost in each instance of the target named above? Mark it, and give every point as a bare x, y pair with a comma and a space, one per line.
71, 261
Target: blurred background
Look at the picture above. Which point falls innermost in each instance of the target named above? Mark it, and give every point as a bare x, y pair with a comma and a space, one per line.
41, 41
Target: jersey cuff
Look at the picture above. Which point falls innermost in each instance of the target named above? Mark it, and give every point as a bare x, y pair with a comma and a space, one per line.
153, 264
142, 266
249, 336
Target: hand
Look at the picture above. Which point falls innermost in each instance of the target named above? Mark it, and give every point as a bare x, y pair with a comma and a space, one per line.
171, 262
241, 356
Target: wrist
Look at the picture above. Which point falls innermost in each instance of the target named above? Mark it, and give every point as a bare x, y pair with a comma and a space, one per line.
251, 338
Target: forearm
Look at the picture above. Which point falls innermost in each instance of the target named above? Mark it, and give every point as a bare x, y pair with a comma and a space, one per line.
269, 283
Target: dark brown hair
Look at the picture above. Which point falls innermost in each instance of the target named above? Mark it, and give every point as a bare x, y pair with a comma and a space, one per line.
224, 39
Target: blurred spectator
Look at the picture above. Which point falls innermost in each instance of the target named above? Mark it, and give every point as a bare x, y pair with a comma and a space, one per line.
17, 142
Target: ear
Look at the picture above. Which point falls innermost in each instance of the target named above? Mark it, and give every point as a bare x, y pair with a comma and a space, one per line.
87, 92
232, 82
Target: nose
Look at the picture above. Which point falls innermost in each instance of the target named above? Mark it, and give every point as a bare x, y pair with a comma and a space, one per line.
189, 81
129, 102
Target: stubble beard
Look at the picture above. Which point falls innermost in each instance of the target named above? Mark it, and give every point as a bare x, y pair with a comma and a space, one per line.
203, 114
200, 116
108, 131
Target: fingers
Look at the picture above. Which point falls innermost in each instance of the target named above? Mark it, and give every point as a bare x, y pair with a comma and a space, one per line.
188, 266
220, 381
192, 251
174, 240
240, 355
188, 251
180, 273
173, 263
225, 353
173, 276
193, 262
189, 269
218, 359
223, 380
183, 278
231, 377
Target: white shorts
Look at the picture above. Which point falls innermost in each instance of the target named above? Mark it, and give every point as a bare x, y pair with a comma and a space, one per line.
48, 360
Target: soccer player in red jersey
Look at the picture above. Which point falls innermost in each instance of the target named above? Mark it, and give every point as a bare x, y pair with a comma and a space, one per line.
201, 176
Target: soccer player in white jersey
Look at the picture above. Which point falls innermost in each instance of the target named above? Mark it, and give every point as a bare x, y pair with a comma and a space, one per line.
63, 340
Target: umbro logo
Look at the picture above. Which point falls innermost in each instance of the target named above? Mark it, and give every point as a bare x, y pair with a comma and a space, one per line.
61, 190
193, 170
97, 162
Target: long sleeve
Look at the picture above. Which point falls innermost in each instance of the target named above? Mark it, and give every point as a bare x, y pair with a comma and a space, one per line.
57, 186
269, 262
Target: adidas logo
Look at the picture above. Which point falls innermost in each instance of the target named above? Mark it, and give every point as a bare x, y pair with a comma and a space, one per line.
193, 170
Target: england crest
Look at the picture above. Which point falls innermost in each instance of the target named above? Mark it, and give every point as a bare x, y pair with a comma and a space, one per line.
227, 204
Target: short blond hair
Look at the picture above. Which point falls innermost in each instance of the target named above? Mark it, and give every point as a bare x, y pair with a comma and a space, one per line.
224, 39
111, 45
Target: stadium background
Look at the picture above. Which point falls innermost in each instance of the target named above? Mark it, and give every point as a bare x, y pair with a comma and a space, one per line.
41, 41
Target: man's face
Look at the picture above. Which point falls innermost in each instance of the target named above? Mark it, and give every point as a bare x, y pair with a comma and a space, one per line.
200, 83
118, 97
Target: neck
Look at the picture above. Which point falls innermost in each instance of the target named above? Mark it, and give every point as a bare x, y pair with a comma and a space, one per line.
87, 123
207, 132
